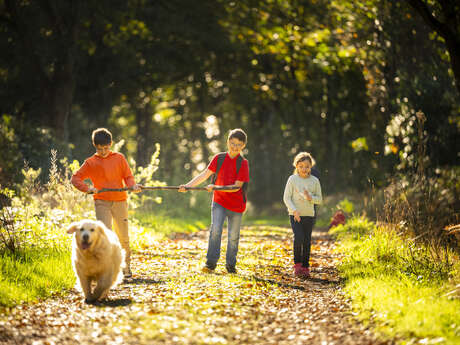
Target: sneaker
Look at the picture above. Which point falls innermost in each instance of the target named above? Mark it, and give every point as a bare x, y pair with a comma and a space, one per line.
207, 269
230, 269
298, 270
305, 272
127, 272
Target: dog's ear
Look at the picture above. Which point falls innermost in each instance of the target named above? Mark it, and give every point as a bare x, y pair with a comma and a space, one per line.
72, 227
100, 225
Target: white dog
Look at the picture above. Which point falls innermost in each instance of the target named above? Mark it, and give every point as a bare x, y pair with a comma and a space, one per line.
97, 257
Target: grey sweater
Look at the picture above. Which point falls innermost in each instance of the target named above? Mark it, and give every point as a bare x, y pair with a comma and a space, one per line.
294, 198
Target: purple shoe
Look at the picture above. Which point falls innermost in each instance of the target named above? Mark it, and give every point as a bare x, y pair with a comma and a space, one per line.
298, 270
305, 272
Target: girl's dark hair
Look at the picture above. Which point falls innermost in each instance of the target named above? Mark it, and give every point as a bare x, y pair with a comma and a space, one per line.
101, 136
239, 134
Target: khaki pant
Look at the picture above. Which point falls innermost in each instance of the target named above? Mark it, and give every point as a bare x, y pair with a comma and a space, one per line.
118, 210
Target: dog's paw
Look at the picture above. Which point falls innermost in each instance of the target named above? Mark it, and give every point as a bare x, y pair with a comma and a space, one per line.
90, 301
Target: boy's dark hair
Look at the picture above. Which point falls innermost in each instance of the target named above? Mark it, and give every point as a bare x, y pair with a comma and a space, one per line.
101, 136
239, 134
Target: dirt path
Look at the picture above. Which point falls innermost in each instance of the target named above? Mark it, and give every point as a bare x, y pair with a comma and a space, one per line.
170, 301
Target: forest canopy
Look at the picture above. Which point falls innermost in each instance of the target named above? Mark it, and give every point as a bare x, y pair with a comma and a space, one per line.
343, 80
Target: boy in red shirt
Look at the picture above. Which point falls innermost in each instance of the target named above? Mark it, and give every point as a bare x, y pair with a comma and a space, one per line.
107, 169
228, 204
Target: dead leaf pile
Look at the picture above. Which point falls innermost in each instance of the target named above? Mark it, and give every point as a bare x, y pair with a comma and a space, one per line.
170, 301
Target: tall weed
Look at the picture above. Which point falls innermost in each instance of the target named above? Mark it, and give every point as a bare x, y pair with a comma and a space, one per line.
11, 237
422, 202
394, 282
38, 213
393, 252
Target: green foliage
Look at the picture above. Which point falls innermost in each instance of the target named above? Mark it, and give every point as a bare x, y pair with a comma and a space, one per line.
10, 157
11, 237
34, 273
38, 265
324, 76
422, 202
399, 308
162, 225
393, 281
346, 206
356, 227
423, 208
385, 250
34, 246
59, 193
359, 144
144, 176
38, 214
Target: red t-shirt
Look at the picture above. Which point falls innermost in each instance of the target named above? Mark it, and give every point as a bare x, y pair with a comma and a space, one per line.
232, 201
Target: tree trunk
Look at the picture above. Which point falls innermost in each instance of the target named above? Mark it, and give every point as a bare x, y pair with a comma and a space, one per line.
57, 100
57, 86
448, 30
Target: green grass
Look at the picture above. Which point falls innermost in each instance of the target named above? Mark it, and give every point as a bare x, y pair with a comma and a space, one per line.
34, 274
165, 225
403, 292
268, 220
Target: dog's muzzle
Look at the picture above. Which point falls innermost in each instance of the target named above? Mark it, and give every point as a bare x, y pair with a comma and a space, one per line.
85, 244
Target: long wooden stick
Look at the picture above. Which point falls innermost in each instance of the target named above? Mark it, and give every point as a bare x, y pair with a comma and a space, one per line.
220, 188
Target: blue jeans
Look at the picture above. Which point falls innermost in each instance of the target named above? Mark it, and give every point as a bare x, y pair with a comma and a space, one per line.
218, 214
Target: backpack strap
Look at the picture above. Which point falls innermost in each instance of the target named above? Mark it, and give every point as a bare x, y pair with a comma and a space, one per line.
239, 161
220, 161
244, 188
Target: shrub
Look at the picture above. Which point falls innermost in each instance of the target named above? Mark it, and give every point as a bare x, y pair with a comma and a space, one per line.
424, 200
11, 237
391, 250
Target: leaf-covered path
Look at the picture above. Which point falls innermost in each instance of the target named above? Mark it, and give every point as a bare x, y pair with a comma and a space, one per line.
170, 301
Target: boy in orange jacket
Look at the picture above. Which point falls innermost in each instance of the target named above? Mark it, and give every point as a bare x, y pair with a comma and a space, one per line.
108, 169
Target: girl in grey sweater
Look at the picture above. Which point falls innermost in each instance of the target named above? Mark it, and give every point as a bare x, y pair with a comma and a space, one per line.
302, 191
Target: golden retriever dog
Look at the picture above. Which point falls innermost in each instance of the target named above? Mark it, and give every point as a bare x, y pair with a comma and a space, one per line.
97, 257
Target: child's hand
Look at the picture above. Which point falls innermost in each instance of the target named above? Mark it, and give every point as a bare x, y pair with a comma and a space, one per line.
92, 190
210, 187
307, 195
297, 216
182, 188
137, 188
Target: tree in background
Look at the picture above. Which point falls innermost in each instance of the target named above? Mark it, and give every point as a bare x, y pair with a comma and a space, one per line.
443, 17
341, 79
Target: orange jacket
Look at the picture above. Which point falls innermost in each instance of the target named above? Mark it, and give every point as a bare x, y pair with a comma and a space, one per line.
109, 172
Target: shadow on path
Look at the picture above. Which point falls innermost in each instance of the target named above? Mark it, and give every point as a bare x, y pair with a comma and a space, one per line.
119, 302
291, 286
142, 281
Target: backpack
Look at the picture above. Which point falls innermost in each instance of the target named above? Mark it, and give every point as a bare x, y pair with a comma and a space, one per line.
220, 161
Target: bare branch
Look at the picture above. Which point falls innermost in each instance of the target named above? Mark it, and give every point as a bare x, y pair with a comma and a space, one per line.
422, 8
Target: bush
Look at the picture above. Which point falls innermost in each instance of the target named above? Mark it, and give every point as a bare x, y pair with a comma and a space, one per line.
393, 281
11, 158
423, 207
424, 200
393, 251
